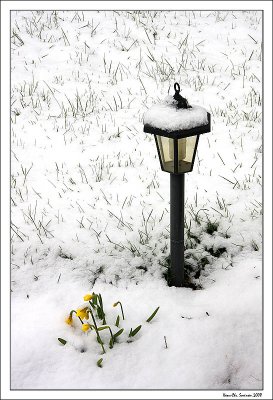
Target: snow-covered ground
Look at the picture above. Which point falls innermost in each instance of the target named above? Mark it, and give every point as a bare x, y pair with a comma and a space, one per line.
90, 205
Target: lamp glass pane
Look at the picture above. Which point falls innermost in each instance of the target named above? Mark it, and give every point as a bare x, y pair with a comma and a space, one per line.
186, 149
166, 153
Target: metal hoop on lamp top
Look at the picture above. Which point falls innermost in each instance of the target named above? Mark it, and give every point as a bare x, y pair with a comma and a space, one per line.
178, 87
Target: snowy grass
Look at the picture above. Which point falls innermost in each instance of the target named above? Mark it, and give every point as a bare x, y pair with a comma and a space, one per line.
90, 206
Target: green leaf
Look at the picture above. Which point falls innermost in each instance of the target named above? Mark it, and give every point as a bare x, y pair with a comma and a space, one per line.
102, 311
118, 333
62, 341
117, 321
135, 331
153, 314
94, 299
99, 362
99, 312
92, 305
101, 328
100, 301
111, 343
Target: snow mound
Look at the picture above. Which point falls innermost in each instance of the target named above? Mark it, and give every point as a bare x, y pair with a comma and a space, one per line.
167, 117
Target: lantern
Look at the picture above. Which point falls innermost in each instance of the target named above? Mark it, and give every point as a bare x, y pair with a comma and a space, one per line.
176, 131
176, 127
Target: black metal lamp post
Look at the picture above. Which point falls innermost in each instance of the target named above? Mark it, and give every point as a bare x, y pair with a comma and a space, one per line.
176, 145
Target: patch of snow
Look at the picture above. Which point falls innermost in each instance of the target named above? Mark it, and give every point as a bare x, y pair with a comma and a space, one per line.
212, 342
168, 117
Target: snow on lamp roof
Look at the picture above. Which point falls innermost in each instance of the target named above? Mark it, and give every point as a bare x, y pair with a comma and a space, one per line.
166, 119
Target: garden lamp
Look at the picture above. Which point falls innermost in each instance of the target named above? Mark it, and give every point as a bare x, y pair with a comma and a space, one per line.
176, 127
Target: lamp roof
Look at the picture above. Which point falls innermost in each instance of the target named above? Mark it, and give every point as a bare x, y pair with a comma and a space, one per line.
175, 118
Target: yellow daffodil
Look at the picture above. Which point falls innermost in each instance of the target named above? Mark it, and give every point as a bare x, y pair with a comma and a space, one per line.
88, 297
82, 313
85, 327
69, 320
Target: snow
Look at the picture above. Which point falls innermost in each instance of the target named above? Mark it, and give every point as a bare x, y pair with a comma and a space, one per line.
168, 117
90, 205
209, 347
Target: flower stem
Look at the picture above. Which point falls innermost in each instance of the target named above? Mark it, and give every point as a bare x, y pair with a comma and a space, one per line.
111, 333
96, 329
121, 310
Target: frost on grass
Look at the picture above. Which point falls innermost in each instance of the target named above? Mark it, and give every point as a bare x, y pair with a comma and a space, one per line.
90, 205
168, 117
